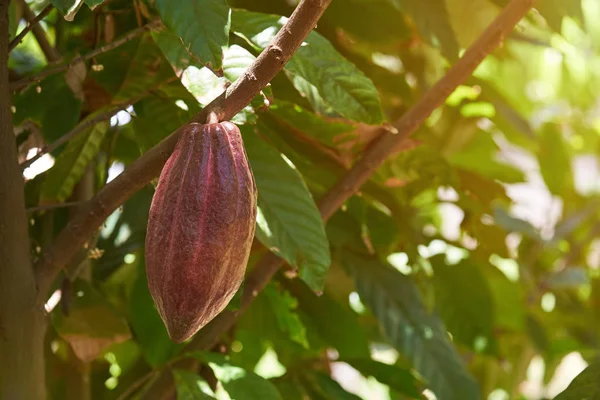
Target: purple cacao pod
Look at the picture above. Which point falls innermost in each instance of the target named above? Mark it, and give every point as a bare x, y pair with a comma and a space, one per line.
200, 228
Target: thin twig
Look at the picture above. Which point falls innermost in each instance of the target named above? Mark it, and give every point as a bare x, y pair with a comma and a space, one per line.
47, 207
40, 35
148, 166
100, 50
30, 25
103, 116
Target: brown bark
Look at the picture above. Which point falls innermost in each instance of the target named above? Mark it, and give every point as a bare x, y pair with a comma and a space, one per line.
21, 320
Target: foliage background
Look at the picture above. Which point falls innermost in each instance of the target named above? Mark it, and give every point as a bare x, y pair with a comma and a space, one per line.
467, 266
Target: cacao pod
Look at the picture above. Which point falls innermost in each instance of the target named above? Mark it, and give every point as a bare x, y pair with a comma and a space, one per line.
200, 228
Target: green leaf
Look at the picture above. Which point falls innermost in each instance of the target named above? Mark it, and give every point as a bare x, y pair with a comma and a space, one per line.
555, 10
156, 118
202, 25
68, 8
173, 49
465, 301
239, 383
51, 104
92, 325
92, 4
478, 156
419, 335
321, 386
336, 325
288, 220
284, 307
150, 332
147, 69
236, 62
433, 22
71, 164
342, 86
191, 386
326, 131
396, 377
586, 386
555, 163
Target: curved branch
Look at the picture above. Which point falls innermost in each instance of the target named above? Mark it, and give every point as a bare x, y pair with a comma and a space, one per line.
387, 145
94, 53
147, 167
30, 25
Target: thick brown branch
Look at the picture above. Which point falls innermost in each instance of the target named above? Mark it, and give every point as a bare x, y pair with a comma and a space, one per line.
100, 50
147, 167
31, 24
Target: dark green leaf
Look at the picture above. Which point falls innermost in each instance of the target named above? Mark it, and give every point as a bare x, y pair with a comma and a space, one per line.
431, 18
284, 307
239, 383
68, 8
323, 387
419, 335
465, 302
71, 164
328, 132
191, 386
288, 221
92, 325
396, 377
173, 48
317, 66
586, 386
337, 325
555, 163
202, 25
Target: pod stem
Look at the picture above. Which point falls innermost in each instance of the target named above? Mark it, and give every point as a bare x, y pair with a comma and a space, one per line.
212, 118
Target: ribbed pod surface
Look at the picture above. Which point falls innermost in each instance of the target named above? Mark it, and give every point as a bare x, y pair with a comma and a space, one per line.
200, 228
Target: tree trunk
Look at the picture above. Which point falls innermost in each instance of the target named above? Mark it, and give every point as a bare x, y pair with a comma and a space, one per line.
22, 322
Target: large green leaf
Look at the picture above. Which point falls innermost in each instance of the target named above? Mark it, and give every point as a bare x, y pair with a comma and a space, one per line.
336, 325
327, 131
172, 47
586, 386
68, 8
396, 377
239, 383
465, 301
156, 118
191, 386
284, 307
92, 324
72, 162
419, 335
203, 25
288, 220
555, 163
321, 386
316, 63
51, 104
146, 70
431, 18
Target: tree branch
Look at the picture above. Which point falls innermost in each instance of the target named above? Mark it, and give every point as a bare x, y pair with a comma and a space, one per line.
100, 50
88, 123
387, 145
376, 155
39, 33
30, 25
147, 167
